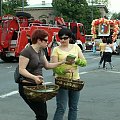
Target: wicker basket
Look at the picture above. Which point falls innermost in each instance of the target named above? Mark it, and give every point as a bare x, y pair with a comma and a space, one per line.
69, 83
41, 92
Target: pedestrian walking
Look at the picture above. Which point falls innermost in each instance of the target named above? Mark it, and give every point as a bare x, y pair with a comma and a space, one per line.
64, 96
108, 53
93, 45
31, 61
53, 44
115, 45
102, 49
29, 41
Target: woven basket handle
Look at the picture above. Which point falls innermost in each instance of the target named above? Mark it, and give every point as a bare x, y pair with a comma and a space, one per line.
71, 76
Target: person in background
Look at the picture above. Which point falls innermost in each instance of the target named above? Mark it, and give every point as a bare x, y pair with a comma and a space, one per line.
29, 41
73, 39
53, 44
93, 45
31, 61
115, 45
64, 96
102, 49
109, 48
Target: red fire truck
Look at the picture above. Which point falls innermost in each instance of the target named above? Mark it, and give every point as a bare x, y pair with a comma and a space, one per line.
14, 30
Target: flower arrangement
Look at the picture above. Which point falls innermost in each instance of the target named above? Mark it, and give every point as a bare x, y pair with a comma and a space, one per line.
113, 23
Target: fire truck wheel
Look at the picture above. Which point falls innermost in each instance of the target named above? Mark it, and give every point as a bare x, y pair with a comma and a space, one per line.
17, 59
23, 14
7, 59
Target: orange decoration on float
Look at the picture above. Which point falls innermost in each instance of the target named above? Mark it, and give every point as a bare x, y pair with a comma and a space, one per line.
104, 26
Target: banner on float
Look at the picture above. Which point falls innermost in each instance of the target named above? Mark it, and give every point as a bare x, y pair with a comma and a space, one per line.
104, 30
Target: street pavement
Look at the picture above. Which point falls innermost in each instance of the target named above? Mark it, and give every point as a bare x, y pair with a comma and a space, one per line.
99, 99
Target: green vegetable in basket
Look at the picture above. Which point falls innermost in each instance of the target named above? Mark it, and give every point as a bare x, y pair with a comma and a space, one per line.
81, 62
70, 59
70, 56
60, 70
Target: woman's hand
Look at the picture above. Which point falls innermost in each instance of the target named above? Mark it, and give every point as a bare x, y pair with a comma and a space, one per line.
38, 79
69, 70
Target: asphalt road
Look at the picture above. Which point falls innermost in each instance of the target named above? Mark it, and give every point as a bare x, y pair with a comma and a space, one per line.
99, 99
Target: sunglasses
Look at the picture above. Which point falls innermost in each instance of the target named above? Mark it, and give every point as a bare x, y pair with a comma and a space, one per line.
45, 40
65, 38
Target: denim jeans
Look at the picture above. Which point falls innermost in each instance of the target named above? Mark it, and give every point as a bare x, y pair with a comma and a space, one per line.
63, 98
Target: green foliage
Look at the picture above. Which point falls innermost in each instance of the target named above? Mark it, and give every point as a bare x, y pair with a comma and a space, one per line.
116, 16
60, 70
77, 10
9, 5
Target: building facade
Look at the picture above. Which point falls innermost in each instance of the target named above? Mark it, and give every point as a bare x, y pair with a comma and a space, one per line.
42, 12
45, 12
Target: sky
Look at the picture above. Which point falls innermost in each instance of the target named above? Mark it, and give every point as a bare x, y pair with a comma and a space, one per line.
114, 5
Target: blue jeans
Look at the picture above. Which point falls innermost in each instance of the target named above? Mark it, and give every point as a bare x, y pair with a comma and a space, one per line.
63, 97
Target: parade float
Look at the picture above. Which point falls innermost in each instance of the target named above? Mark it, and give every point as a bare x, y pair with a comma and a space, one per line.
104, 27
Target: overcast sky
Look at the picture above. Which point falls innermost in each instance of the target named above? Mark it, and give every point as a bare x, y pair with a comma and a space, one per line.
113, 7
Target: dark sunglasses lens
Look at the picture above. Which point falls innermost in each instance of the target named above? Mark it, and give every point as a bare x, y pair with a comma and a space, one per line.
45, 40
65, 38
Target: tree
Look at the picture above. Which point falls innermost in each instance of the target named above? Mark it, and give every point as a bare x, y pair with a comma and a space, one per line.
116, 16
77, 10
10, 5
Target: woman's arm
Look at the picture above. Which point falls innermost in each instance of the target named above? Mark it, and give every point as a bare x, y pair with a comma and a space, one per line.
23, 71
112, 47
54, 63
80, 55
81, 61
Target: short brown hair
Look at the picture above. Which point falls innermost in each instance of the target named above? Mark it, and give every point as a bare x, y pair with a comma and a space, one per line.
38, 34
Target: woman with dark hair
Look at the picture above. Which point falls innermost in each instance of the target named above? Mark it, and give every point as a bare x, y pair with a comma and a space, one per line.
31, 61
64, 71
109, 48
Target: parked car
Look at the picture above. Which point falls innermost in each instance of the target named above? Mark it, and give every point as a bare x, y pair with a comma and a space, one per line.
88, 43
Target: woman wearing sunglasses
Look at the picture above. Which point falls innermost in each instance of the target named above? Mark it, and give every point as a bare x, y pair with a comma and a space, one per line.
65, 96
31, 61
